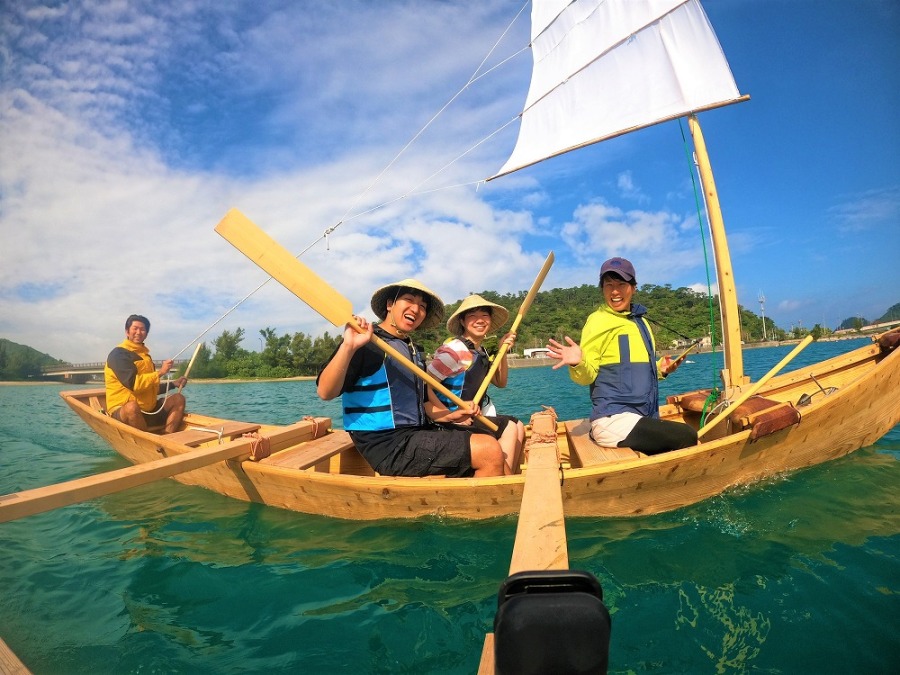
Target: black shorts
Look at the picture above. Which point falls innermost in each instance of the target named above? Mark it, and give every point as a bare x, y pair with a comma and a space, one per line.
417, 451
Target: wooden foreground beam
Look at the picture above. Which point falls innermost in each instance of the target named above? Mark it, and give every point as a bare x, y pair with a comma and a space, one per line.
38, 500
10, 663
541, 532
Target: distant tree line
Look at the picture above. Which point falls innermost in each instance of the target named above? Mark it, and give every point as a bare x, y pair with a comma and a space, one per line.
677, 314
281, 356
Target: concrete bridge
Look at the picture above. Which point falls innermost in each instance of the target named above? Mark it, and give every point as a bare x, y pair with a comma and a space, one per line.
79, 373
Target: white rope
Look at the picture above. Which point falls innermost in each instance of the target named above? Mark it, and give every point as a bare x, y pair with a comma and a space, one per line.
472, 78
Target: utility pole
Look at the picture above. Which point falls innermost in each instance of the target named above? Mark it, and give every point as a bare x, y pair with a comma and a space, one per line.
762, 309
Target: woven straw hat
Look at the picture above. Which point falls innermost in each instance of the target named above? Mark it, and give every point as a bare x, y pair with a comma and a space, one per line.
499, 314
435, 305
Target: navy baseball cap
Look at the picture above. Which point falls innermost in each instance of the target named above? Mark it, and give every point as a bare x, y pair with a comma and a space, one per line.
618, 266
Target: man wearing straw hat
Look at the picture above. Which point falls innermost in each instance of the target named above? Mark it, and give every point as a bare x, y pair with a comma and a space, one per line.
462, 363
384, 403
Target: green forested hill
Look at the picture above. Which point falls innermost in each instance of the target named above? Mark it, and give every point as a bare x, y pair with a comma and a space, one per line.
893, 314
19, 362
676, 313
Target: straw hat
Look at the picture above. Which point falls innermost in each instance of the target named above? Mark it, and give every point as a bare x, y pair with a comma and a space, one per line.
499, 314
435, 305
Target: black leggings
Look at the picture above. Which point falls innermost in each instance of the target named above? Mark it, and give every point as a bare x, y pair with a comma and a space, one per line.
652, 436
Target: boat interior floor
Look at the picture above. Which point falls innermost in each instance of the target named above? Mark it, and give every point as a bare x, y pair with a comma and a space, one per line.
589, 453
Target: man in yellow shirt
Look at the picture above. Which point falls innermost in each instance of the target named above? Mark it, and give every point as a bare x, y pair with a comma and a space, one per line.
133, 383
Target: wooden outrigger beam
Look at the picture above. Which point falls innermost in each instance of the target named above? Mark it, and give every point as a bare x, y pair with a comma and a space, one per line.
39, 500
541, 532
10, 663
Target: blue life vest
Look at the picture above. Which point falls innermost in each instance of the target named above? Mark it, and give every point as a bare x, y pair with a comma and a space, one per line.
385, 395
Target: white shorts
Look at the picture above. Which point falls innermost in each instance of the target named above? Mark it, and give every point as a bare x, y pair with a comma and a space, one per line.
610, 431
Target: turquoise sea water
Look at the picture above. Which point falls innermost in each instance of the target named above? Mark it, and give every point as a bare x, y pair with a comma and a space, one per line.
799, 574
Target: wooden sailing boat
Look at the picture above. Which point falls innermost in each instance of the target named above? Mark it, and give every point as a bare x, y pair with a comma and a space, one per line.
585, 53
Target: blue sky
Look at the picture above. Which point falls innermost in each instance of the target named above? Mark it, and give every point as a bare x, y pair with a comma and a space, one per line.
128, 129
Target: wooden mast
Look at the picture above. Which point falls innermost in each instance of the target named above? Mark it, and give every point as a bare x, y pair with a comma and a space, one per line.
733, 374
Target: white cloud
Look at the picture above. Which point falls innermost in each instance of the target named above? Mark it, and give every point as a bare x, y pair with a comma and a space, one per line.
129, 128
873, 209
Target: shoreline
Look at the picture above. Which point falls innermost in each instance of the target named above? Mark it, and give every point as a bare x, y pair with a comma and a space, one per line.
520, 362
98, 383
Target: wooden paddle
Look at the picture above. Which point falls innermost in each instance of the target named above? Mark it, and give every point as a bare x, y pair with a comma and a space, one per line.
300, 280
190, 364
38, 500
526, 304
756, 387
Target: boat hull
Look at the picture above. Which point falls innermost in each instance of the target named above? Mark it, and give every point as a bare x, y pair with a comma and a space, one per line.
339, 484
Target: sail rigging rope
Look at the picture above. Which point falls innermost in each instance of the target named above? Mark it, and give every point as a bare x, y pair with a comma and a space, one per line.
474, 77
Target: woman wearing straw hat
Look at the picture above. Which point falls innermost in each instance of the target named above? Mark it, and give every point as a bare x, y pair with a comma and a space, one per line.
462, 363
384, 403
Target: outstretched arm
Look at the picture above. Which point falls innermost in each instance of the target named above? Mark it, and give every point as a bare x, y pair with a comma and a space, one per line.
568, 354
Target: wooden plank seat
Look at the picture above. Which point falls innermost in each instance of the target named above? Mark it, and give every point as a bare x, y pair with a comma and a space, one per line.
312, 452
193, 436
588, 452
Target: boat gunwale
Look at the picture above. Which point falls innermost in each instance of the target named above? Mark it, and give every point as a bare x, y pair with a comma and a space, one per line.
396, 497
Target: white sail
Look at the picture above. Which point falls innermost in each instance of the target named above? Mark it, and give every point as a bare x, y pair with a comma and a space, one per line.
606, 67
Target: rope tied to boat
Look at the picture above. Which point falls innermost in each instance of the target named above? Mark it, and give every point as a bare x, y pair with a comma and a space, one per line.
259, 446
315, 423
162, 405
709, 405
546, 437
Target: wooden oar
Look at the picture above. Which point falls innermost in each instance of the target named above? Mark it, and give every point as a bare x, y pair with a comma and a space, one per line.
190, 364
683, 355
526, 304
756, 387
38, 500
300, 280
